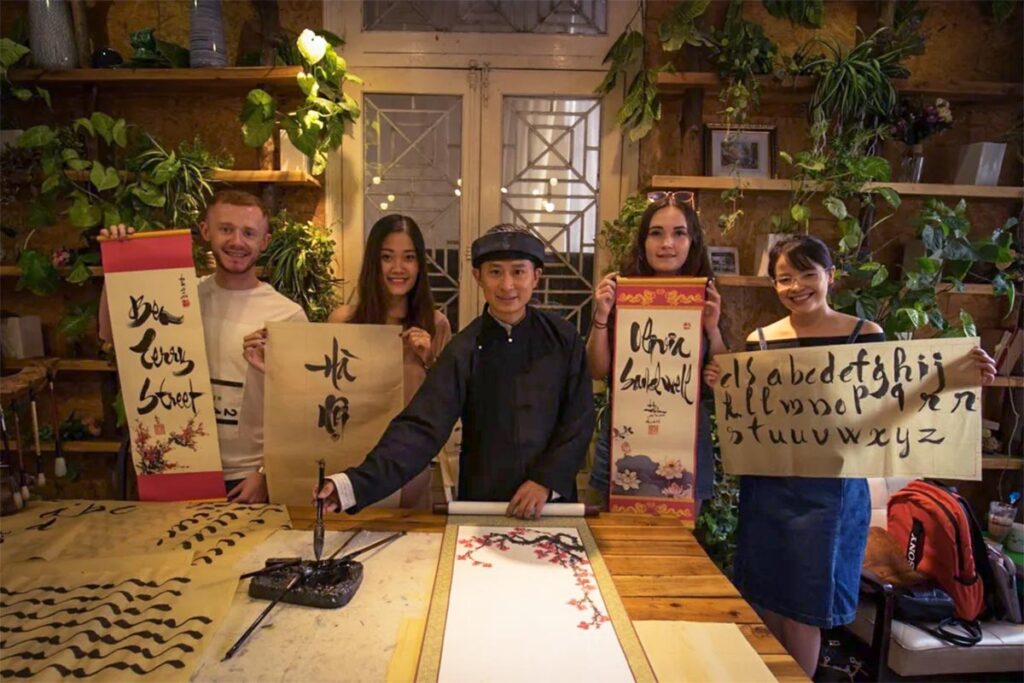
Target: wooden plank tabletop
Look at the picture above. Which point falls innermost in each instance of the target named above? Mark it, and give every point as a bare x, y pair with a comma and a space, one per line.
659, 569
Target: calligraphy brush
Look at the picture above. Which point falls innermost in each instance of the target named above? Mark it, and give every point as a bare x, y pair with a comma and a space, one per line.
272, 567
300, 575
40, 476
25, 495
318, 528
60, 467
16, 494
298, 578
376, 544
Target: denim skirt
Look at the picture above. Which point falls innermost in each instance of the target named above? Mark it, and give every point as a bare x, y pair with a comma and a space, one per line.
800, 546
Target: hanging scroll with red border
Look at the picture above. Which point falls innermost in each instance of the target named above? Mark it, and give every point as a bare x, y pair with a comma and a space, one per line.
655, 383
161, 362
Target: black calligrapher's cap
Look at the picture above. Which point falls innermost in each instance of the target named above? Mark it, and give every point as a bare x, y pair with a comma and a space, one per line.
507, 245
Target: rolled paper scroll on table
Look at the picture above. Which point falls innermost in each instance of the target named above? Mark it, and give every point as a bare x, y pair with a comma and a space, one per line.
469, 507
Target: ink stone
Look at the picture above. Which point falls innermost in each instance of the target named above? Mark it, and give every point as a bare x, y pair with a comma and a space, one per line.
329, 584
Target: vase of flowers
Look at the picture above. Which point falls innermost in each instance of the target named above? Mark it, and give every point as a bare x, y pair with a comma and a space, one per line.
914, 122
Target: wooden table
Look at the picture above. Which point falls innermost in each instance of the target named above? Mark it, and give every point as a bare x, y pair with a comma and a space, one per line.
659, 569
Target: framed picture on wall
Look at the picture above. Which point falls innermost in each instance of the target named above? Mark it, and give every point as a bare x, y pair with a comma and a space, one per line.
724, 260
749, 151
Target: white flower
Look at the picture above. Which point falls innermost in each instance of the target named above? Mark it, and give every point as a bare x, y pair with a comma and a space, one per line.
312, 46
627, 480
673, 469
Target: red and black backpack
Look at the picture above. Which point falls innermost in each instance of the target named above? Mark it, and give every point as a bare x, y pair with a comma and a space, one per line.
943, 541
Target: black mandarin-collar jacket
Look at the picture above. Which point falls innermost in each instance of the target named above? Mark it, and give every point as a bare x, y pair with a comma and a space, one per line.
527, 408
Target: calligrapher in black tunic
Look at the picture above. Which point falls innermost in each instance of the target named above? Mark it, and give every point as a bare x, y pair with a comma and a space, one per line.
527, 408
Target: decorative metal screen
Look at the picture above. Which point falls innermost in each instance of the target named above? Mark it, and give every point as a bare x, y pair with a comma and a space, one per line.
413, 166
550, 164
579, 17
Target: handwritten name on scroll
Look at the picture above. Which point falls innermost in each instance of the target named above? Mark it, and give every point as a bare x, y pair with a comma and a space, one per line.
655, 382
906, 408
161, 362
331, 391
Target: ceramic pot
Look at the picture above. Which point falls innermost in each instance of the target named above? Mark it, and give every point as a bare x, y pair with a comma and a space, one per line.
206, 35
50, 35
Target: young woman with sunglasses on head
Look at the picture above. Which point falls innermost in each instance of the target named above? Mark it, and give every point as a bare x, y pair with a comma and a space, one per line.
670, 242
394, 290
800, 541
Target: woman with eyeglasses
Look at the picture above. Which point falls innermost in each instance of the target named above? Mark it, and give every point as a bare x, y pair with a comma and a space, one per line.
670, 242
800, 541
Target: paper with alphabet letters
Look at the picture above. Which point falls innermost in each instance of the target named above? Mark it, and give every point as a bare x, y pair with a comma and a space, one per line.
331, 391
655, 382
903, 408
161, 363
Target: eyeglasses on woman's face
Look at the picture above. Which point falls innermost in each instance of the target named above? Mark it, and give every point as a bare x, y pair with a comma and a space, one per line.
808, 278
679, 196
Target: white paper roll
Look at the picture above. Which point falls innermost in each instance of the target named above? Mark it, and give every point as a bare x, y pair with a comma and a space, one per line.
469, 507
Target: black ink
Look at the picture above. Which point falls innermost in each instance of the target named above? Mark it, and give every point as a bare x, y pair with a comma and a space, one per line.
333, 416
155, 357
167, 399
142, 310
648, 341
335, 366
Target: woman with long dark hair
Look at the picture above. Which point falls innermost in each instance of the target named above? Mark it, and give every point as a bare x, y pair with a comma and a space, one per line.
394, 290
670, 242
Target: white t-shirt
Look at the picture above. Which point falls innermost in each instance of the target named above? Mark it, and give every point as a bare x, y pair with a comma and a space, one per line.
229, 315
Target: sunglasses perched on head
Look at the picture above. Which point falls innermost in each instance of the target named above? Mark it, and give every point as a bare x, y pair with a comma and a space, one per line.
680, 196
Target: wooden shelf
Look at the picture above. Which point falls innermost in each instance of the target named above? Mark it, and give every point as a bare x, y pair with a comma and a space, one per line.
264, 177
225, 78
83, 446
697, 182
244, 177
1001, 462
743, 281
1014, 382
956, 91
97, 271
15, 271
65, 364
763, 281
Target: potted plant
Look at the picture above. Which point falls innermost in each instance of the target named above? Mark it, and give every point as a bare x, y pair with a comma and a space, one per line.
913, 122
299, 263
907, 304
318, 125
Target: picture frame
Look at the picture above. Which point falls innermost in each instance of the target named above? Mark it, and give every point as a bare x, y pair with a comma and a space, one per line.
751, 151
724, 260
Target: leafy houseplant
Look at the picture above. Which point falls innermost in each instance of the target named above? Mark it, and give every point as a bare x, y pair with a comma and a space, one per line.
740, 51
150, 188
641, 107
300, 264
808, 13
617, 236
719, 516
911, 302
316, 127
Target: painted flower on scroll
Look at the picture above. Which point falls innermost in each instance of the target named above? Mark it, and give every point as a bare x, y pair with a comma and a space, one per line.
673, 469
676, 491
561, 549
626, 480
152, 452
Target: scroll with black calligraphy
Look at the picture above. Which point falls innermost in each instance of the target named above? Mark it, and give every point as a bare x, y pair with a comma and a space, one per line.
161, 362
331, 391
655, 384
904, 408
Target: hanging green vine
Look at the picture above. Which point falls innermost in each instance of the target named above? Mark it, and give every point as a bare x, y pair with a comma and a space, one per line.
807, 13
